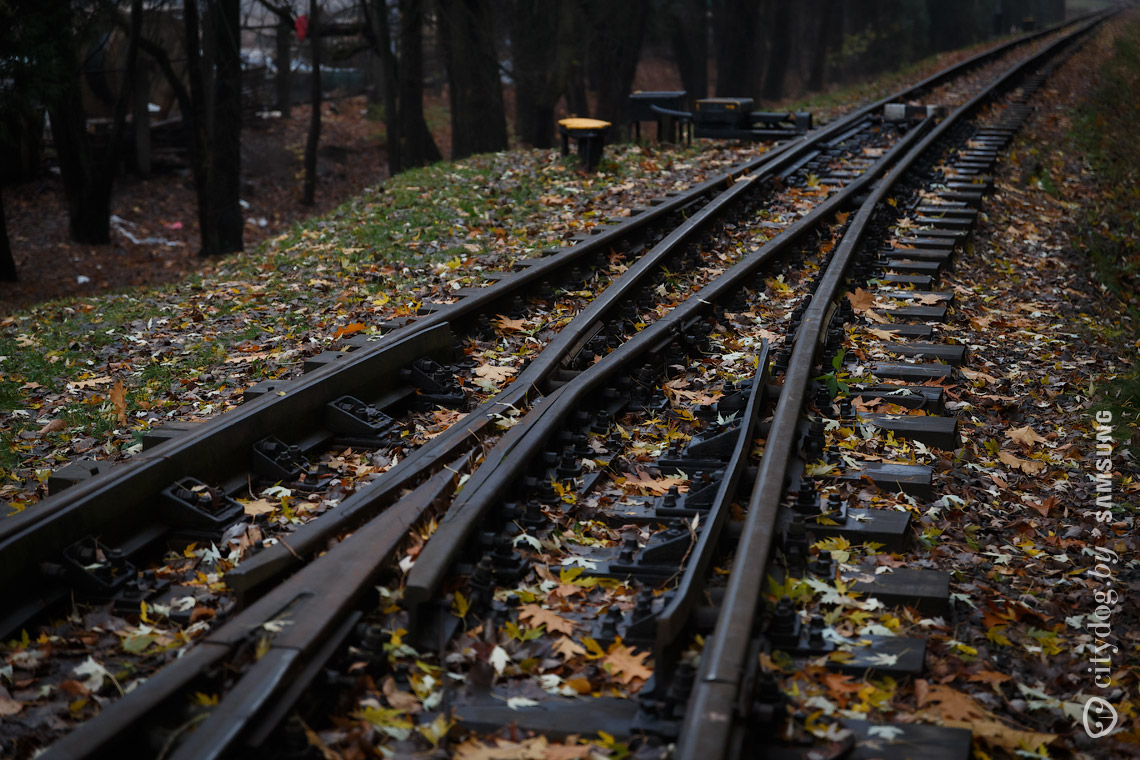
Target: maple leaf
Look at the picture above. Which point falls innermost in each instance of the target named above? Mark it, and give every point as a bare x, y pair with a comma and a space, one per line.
1029, 466
1024, 435
884, 334
625, 663
645, 483
861, 300
259, 507
510, 325
946, 702
494, 374
840, 686
568, 648
972, 375
999, 735
89, 382
928, 299
502, 749
991, 677
348, 330
536, 616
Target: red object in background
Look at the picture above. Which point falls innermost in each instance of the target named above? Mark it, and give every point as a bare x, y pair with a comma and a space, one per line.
302, 26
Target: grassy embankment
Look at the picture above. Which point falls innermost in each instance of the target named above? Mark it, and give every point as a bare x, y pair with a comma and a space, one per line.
1108, 228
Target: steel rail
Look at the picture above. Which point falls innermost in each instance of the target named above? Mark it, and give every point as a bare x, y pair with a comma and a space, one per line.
312, 603
709, 721
107, 504
257, 571
332, 583
503, 462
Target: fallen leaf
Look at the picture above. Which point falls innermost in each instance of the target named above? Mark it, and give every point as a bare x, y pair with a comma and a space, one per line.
1030, 466
89, 382
1024, 435
349, 329
502, 749
946, 702
494, 374
510, 325
244, 358
569, 649
259, 507
1044, 507
9, 706
1000, 735
861, 300
989, 676
928, 299
400, 700
537, 615
646, 483
625, 663
972, 375
54, 426
118, 397
883, 334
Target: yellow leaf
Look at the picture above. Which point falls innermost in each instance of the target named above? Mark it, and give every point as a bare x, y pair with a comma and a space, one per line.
460, 605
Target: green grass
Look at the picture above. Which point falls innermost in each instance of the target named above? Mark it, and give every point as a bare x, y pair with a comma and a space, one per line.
1106, 125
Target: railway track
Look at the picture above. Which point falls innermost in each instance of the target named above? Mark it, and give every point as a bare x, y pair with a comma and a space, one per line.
610, 452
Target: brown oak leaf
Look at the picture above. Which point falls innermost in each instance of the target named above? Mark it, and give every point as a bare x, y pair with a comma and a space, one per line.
626, 663
536, 616
646, 483
568, 648
861, 300
1024, 435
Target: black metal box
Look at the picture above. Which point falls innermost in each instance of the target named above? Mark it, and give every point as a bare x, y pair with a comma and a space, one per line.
732, 113
641, 103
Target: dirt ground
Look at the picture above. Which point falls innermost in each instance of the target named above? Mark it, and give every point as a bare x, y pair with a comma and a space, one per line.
160, 213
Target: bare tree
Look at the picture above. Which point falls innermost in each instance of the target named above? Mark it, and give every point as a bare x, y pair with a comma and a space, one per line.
478, 119
211, 114
8, 271
315, 99
88, 170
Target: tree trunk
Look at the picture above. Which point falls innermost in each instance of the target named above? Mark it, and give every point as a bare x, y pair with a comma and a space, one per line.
315, 98
285, 66
478, 120
416, 146
7, 262
779, 47
534, 23
222, 221
828, 32
736, 23
376, 11
142, 119
88, 193
689, 30
615, 34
